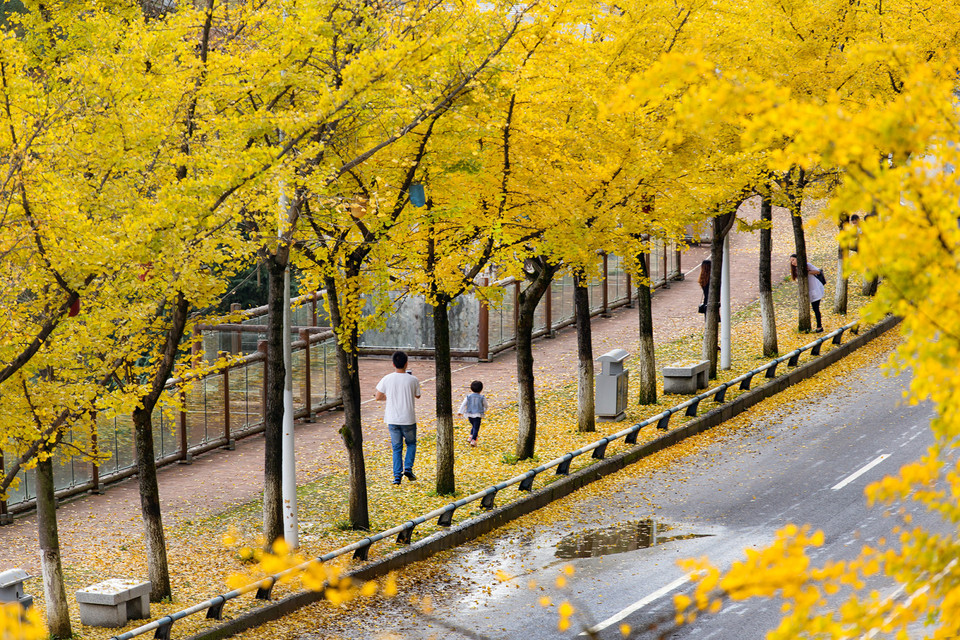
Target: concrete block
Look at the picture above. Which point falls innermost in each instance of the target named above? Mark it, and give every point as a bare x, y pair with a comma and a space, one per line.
112, 603
686, 378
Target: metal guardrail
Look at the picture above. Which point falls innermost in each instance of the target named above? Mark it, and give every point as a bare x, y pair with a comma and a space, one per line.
444, 514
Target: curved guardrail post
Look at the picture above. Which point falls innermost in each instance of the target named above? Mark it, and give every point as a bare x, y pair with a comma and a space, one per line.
487, 501
631, 437
361, 553
664, 422
527, 483
563, 469
794, 359
446, 518
163, 631
745, 383
215, 612
815, 349
837, 339
600, 451
263, 592
721, 394
692, 409
771, 370
406, 533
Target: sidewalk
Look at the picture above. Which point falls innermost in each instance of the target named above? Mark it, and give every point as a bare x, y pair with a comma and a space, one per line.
220, 479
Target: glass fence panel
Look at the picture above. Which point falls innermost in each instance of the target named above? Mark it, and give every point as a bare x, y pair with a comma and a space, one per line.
616, 279
596, 293
502, 326
193, 408
249, 395
26, 488
557, 300
124, 443
213, 407
62, 469
107, 444
464, 318
540, 315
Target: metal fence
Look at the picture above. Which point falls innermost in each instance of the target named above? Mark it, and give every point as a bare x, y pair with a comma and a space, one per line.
611, 288
196, 414
210, 411
477, 329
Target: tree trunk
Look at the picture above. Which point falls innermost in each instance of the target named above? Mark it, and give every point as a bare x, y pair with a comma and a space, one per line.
767, 314
54, 592
273, 411
157, 568
527, 305
795, 198
648, 362
722, 224
446, 483
586, 402
840, 298
351, 431
869, 287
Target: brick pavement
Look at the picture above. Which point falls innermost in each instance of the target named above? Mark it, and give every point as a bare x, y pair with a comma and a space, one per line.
221, 478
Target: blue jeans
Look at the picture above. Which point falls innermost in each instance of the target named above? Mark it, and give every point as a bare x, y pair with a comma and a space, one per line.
474, 427
400, 433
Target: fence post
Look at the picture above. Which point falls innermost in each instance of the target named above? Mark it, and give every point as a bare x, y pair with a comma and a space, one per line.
548, 310
516, 307
196, 348
5, 517
483, 326
308, 391
235, 335
231, 443
605, 310
262, 348
185, 457
666, 278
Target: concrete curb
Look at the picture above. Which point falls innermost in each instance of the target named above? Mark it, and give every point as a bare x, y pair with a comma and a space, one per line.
479, 525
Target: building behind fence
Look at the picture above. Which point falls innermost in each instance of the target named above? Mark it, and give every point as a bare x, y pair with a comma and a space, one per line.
215, 409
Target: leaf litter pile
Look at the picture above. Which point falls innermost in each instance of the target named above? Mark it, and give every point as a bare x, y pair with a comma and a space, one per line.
205, 552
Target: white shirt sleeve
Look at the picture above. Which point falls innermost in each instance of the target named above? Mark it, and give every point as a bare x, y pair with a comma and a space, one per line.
463, 406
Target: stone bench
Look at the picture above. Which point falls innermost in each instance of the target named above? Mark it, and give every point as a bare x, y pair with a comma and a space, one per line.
686, 378
11, 587
112, 603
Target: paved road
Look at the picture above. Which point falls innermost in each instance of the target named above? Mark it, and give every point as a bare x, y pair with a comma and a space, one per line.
807, 463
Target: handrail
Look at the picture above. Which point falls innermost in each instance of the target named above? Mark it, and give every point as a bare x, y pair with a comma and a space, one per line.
360, 548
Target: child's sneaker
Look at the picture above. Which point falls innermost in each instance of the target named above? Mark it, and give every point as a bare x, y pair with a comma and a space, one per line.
473, 443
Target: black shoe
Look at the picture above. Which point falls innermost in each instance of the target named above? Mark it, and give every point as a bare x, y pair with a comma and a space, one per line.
396, 481
819, 330
410, 476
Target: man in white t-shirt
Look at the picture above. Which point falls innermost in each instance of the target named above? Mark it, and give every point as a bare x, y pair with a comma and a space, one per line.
400, 389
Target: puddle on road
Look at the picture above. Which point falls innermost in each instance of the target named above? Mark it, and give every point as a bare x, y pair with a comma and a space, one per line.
618, 538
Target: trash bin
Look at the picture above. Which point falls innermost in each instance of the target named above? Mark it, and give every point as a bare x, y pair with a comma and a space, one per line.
611, 399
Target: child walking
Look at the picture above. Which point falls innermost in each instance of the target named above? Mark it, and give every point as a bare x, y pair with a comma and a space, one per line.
474, 405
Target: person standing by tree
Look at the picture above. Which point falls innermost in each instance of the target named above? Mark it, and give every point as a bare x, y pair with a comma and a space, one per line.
400, 390
815, 282
704, 282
